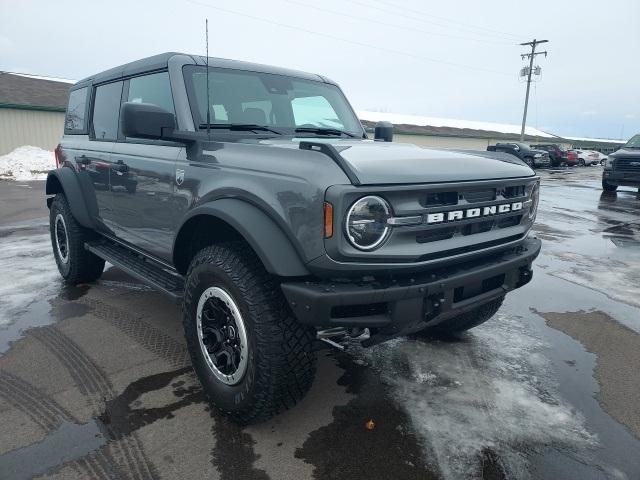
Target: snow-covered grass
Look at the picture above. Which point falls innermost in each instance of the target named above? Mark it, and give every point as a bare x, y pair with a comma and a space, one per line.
26, 163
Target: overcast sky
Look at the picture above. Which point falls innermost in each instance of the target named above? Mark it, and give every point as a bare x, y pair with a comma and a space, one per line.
455, 59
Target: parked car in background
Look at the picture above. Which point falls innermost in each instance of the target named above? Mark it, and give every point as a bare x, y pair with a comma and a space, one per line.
602, 157
572, 158
622, 168
587, 157
557, 154
533, 158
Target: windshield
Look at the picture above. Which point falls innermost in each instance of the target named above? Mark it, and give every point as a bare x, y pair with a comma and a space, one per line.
634, 142
281, 103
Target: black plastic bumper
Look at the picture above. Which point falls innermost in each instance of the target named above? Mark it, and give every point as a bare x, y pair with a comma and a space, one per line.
412, 302
622, 179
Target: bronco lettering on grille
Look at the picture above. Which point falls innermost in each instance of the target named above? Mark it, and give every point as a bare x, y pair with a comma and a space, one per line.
453, 215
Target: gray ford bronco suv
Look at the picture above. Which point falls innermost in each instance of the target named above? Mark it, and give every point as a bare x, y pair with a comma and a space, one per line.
252, 196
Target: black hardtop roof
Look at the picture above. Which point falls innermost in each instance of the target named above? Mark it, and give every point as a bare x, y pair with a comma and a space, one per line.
161, 61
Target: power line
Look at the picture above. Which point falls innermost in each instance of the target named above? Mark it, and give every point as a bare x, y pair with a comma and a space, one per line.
530, 56
401, 27
469, 25
396, 12
340, 39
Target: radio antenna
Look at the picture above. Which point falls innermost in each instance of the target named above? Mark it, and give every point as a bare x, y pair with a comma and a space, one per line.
206, 30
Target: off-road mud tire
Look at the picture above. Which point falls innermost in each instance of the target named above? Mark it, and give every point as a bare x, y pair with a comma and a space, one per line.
81, 266
281, 363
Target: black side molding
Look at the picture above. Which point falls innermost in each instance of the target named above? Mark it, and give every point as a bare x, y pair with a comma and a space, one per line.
331, 152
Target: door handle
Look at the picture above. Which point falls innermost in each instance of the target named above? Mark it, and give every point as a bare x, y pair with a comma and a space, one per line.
121, 167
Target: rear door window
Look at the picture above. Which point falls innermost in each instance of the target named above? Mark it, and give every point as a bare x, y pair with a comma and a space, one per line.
106, 111
154, 89
75, 119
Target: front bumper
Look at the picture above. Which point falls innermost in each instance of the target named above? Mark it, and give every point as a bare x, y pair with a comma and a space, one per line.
622, 179
401, 304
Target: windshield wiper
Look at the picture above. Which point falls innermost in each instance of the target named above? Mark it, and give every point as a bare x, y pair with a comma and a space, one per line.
324, 131
239, 127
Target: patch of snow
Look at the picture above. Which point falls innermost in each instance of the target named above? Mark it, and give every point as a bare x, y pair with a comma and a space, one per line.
422, 121
491, 390
26, 163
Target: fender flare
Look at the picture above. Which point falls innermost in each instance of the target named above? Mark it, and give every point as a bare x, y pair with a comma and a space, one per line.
276, 251
64, 180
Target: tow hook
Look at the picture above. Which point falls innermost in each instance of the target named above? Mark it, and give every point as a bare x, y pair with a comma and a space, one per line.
340, 337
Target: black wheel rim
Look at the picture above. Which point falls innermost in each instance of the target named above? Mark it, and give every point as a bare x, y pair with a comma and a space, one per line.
222, 335
62, 239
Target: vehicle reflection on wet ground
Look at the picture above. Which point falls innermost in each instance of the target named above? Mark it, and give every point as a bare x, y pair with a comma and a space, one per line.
95, 380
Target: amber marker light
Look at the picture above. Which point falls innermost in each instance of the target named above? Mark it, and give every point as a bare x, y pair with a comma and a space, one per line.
328, 220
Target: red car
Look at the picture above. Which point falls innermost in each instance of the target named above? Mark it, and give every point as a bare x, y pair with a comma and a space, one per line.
572, 158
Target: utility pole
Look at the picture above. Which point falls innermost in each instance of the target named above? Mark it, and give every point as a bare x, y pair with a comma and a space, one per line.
530, 56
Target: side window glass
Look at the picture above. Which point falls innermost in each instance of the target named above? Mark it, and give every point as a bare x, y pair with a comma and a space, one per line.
315, 111
154, 88
106, 111
74, 119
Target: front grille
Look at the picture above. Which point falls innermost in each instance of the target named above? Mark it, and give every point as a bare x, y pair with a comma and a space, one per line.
631, 165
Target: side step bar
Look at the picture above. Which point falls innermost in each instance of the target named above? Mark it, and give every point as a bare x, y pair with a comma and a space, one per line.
144, 269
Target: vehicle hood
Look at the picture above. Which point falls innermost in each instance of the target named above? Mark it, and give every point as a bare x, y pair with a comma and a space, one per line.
401, 163
625, 153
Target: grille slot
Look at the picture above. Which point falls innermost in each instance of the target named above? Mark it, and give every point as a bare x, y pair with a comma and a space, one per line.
475, 196
440, 234
509, 221
439, 199
625, 165
513, 191
479, 227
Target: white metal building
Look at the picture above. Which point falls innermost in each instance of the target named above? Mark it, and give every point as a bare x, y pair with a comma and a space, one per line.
31, 111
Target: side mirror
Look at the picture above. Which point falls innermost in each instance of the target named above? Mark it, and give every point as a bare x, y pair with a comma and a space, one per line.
384, 132
145, 120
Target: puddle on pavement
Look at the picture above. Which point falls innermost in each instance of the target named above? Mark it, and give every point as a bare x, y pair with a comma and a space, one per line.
617, 455
66, 443
129, 412
347, 449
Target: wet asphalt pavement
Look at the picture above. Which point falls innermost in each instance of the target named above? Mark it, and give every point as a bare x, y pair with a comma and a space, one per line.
95, 380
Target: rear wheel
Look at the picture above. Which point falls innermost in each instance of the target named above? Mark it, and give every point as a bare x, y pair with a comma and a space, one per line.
607, 187
467, 320
252, 357
529, 161
581, 162
76, 265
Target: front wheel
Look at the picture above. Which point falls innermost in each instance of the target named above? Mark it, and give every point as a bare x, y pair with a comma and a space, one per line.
529, 161
607, 187
75, 263
467, 320
251, 356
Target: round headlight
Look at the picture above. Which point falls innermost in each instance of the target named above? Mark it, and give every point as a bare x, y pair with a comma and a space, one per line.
535, 198
366, 224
